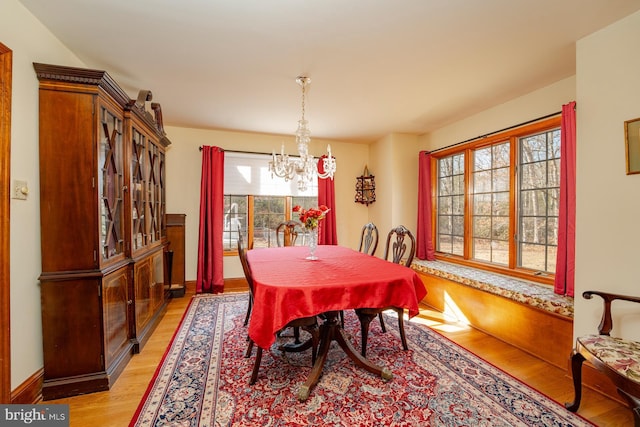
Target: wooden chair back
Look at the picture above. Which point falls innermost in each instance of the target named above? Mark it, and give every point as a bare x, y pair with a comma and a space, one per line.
242, 253
400, 244
287, 233
369, 239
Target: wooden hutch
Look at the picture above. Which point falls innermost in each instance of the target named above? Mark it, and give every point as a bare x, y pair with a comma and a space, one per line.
103, 237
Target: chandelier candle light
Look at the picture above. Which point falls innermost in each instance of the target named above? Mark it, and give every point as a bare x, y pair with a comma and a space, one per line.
310, 219
304, 167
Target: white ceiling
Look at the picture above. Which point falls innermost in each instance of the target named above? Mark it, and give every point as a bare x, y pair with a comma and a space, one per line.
377, 66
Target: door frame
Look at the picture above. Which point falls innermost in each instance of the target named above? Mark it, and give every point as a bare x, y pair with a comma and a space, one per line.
6, 67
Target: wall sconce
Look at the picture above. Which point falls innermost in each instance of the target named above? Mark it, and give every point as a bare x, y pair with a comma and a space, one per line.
365, 188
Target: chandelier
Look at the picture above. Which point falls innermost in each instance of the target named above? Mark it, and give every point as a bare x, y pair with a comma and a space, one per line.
304, 167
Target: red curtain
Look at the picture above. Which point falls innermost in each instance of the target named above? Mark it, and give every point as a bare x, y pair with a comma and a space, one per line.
424, 235
210, 278
566, 257
327, 232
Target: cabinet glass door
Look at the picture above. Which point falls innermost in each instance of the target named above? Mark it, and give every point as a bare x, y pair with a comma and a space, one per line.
110, 183
138, 202
154, 193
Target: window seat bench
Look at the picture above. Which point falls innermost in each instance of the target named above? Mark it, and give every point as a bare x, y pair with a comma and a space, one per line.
528, 315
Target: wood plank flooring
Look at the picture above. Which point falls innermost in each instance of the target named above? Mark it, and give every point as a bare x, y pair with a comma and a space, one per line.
117, 406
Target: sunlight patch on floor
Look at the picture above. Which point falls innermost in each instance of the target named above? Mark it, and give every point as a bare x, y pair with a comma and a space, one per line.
451, 320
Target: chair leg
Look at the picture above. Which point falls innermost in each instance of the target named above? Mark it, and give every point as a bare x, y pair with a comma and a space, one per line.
247, 354
403, 337
382, 322
246, 318
256, 366
296, 335
365, 320
576, 372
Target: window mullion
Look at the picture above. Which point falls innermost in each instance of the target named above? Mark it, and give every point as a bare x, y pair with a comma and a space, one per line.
288, 208
513, 210
468, 204
250, 222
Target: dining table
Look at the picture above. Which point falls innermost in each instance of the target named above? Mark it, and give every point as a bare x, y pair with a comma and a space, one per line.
288, 286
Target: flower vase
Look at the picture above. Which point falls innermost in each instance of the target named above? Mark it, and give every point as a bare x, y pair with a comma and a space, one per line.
313, 244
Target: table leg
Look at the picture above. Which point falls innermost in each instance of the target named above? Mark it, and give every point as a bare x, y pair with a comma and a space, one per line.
330, 330
326, 336
359, 360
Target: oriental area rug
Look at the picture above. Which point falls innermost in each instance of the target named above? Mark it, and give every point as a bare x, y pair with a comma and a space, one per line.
203, 380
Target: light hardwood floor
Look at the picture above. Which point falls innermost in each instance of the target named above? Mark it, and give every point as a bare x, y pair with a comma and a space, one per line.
117, 406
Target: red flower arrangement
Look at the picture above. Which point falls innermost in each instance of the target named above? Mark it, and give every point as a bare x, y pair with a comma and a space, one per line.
310, 217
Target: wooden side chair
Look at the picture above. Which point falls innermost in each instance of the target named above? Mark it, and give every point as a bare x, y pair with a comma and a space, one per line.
617, 358
309, 324
242, 253
401, 245
287, 233
369, 239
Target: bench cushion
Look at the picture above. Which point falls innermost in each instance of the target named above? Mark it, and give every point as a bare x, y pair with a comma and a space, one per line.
533, 294
619, 354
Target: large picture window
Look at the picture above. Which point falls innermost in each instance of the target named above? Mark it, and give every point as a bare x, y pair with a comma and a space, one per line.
255, 203
497, 201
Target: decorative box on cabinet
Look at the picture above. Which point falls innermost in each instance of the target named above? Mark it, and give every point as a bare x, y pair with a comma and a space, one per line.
89, 292
176, 239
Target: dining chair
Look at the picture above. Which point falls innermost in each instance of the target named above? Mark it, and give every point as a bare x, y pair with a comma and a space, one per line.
369, 239
289, 231
242, 253
309, 324
401, 245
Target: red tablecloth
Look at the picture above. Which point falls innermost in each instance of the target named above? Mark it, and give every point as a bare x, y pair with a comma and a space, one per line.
287, 286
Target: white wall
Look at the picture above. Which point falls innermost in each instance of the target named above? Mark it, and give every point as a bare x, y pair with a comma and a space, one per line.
544, 101
394, 163
183, 181
608, 200
30, 42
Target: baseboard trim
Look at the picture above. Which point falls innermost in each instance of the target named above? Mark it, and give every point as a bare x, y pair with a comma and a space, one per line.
30, 391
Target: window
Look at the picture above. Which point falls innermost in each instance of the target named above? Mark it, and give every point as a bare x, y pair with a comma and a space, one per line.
490, 201
539, 200
451, 205
497, 201
255, 203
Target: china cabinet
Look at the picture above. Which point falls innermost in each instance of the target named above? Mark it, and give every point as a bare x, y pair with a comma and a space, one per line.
102, 202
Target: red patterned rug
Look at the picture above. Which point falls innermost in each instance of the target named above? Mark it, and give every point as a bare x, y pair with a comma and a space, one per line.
203, 380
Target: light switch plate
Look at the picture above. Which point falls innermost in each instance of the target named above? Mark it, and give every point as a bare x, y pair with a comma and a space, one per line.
20, 190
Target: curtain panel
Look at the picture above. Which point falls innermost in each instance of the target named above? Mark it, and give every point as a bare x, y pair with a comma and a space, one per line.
210, 278
566, 256
327, 231
424, 235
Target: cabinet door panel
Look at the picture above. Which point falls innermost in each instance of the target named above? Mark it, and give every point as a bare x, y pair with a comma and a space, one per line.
142, 286
71, 329
157, 284
115, 313
66, 181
